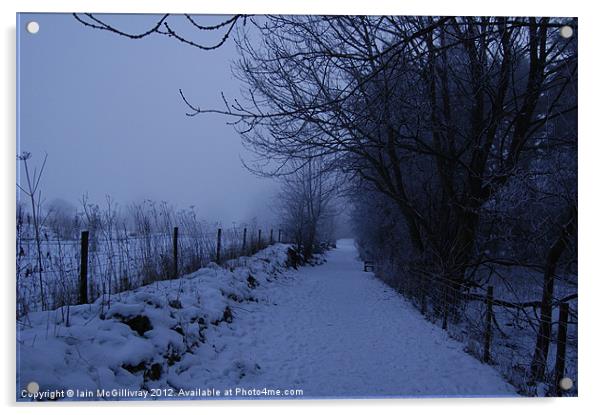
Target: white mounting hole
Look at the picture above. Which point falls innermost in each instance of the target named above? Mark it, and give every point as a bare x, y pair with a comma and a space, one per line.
33, 27
566, 384
33, 387
566, 32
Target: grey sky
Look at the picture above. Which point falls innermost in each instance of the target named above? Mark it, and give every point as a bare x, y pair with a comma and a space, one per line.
107, 111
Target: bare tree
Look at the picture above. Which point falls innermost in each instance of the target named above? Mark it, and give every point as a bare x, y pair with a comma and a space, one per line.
372, 94
306, 206
163, 27
33, 191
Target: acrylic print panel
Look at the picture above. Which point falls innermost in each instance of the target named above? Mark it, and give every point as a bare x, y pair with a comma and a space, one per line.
295, 207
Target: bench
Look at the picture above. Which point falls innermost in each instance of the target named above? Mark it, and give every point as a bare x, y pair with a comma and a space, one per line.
368, 266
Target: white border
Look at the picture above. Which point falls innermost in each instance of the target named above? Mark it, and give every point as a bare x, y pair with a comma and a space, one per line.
590, 152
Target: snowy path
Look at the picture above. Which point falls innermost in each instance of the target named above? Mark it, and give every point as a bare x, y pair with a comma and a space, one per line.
336, 331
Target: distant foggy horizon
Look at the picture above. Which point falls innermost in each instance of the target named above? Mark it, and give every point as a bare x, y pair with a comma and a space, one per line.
114, 123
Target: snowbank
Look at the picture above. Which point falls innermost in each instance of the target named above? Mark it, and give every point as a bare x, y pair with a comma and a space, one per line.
131, 341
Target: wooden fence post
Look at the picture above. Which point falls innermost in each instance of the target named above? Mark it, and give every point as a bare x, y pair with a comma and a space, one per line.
563, 319
259, 241
219, 246
175, 252
279, 235
488, 326
271, 236
422, 287
445, 296
244, 240
83, 271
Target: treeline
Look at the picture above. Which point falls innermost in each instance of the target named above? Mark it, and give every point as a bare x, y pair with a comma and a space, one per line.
457, 138
307, 205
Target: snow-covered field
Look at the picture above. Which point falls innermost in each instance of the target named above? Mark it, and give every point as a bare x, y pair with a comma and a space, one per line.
253, 327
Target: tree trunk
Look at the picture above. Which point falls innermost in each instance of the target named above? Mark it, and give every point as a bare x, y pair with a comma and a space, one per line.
540, 356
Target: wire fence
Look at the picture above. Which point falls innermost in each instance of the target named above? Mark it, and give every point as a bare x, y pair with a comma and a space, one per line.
104, 262
496, 324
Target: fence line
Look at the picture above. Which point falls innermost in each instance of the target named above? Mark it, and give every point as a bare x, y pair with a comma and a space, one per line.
497, 331
76, 272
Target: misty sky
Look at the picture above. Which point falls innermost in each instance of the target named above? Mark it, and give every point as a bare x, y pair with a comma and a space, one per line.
107, 111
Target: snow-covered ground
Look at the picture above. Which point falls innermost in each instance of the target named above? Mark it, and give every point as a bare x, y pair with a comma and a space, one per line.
328, 330
117, 261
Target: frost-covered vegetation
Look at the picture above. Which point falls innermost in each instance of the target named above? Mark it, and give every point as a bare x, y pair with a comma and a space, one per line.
128, 247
